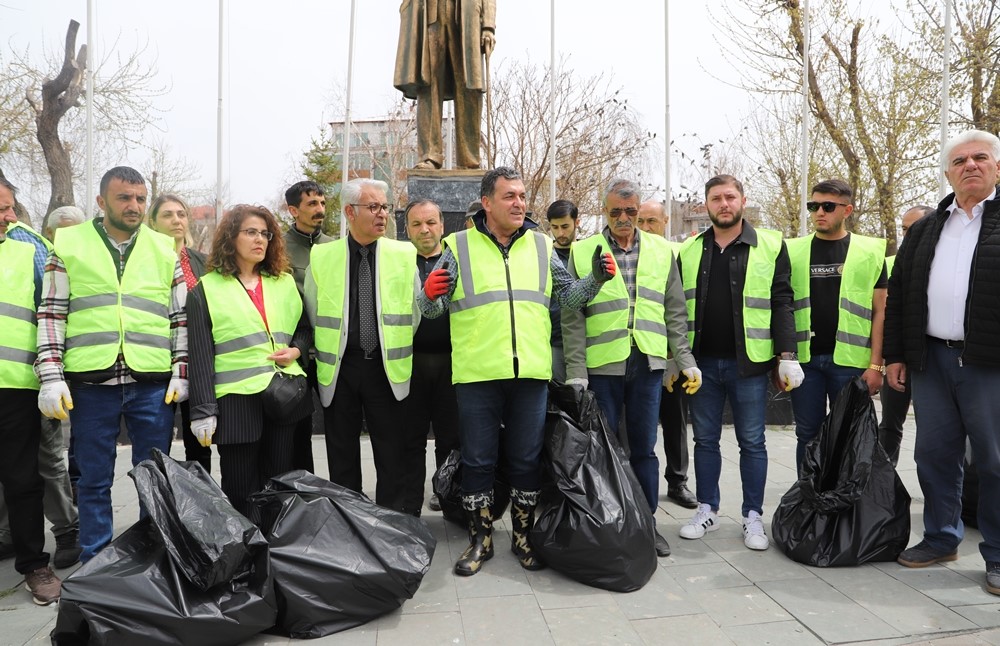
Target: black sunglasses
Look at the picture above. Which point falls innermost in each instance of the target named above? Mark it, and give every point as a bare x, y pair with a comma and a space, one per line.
828, 207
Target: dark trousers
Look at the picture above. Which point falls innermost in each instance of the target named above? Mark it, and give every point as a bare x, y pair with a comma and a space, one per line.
193, 450
23, 489
673, 419
431, 403
953, 403
363, 392
895, 406
302, 457
247, 467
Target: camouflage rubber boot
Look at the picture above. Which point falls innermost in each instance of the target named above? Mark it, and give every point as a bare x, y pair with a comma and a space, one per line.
480, 547
522, 519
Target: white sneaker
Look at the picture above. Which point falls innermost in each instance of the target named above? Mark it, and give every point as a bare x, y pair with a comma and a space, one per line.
753, 532
704, 520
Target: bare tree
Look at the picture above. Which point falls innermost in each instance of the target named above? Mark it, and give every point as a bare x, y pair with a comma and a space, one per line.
598, 135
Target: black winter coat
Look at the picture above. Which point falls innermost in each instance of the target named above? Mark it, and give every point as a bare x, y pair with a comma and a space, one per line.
906, 307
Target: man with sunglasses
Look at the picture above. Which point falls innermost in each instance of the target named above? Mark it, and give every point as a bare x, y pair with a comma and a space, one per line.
359, 294
839, 280
620, 343
941, 324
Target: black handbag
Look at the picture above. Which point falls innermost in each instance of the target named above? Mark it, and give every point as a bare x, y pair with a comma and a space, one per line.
287, 398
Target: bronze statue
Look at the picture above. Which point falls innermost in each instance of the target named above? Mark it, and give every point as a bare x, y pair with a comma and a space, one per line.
440, 57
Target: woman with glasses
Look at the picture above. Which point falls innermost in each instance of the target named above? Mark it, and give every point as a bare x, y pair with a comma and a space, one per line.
169, 215
244, 323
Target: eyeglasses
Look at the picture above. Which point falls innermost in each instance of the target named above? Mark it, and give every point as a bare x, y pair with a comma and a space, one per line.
375, 207
630, 212
828, 207
254, 233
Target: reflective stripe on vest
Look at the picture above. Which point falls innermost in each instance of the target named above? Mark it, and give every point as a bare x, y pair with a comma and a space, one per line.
607, 313
756, 291
17, 315
500, 325
241, 341
862, 268
396, 270
108, 316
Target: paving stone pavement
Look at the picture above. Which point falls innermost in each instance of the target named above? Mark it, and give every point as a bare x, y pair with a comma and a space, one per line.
709, 591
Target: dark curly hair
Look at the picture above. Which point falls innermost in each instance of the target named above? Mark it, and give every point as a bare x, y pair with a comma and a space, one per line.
222, 257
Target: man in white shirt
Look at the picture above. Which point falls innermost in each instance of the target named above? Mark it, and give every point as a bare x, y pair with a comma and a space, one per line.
942, 317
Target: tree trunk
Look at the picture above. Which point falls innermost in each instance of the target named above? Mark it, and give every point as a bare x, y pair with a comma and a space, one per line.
58, 96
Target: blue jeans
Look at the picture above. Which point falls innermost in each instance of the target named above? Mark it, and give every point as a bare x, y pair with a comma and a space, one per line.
952, 403
96, 416
823, 382
639, 391
518, 405
748, 399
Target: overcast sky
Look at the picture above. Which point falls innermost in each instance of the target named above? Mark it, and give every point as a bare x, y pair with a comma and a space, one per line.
285, 59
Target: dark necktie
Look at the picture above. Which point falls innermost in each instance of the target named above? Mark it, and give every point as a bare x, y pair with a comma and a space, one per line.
366, 305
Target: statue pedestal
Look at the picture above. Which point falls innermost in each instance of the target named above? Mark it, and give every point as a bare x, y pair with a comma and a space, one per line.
452, 190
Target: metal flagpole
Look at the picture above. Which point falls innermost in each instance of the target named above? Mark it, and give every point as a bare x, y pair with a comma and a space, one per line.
347, 116
552, 101
945, 87
666, 112
88, 205
803, 217
219, 113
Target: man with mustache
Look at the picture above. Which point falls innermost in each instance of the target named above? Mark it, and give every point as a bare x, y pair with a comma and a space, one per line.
359, 293
432, 395
112, 342
307, 206
740, 319
941, 333
620, 343
562, 216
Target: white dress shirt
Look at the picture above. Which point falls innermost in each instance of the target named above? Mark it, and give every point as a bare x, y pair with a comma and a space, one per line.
948, 285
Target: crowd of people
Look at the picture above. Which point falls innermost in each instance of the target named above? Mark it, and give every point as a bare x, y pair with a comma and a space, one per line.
118, 321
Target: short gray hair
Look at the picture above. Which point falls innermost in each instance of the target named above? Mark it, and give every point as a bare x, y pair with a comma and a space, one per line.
967, 137
72, 214
489, 183
623, 188
352, 190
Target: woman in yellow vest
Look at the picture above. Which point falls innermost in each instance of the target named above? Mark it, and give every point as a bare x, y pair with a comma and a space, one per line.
170, 215
245, 324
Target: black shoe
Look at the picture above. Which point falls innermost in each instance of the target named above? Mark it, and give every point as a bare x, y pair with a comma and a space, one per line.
922, 555
993, 577
662, 546
682, 496
6, 551
67, 549
434, 504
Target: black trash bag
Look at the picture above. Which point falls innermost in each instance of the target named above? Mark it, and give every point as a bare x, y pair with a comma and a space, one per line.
849, 507
339, 560
447, 485
594, 523
134, 592
202, 531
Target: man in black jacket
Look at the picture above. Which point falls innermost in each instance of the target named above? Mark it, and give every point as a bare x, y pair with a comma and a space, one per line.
941, 327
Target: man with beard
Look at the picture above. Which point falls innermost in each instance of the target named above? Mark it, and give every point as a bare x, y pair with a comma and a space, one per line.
112, 342
562, 216
653, 219
839, 281
739, 305
432, 400
307, 205
620, 343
